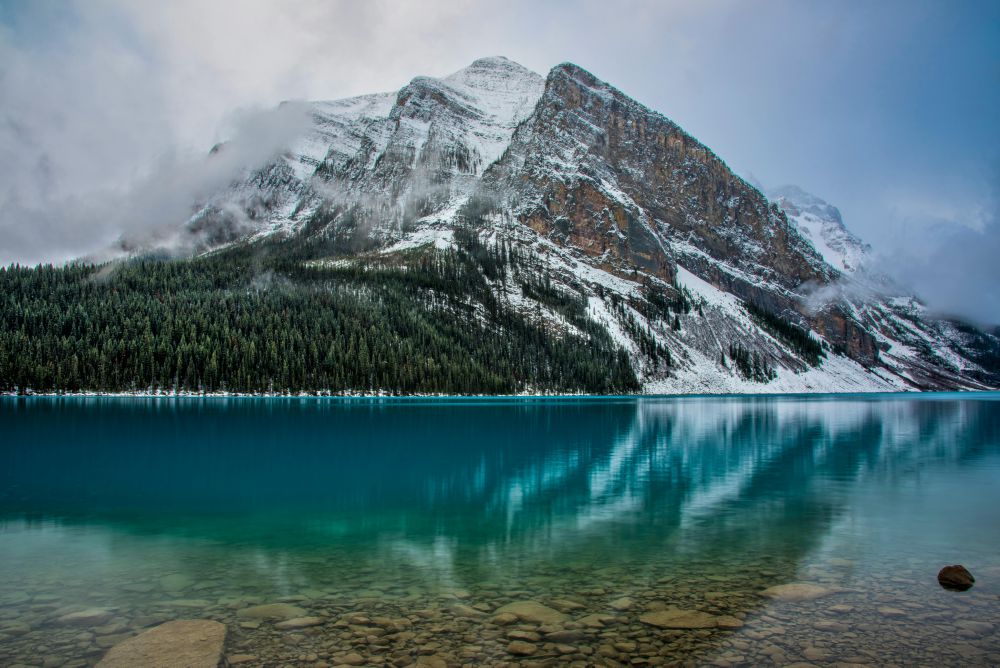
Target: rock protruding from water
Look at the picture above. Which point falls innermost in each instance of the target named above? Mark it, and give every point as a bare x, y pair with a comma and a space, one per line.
188, 643
797, 591
533, 612
955, 577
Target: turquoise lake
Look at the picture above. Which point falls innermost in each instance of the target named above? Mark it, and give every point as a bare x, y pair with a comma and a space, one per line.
404, 527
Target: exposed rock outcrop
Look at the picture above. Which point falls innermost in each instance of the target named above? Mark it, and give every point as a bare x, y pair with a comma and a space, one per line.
955, 577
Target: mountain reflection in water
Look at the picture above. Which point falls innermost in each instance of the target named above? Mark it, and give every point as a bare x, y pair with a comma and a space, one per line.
659, 499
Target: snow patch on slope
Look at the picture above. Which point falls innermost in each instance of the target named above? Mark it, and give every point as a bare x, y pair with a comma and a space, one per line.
835, 374
504, 94
821, 223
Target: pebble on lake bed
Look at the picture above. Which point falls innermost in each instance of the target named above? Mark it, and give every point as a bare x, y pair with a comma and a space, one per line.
533, 612
271, 611
299, 623
674, 618
797, 591
88, 617
521, 648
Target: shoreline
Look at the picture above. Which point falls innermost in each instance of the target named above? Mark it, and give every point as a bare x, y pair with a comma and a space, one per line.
384, 397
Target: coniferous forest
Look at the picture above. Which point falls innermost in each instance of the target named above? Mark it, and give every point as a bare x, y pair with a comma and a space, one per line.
263, 318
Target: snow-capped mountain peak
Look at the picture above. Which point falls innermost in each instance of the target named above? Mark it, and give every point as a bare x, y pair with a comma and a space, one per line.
823, 225
601, 211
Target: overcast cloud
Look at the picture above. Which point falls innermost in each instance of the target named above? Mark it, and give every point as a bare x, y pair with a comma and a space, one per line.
887, 110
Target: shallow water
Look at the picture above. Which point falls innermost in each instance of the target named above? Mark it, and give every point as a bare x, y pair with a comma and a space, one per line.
405, 525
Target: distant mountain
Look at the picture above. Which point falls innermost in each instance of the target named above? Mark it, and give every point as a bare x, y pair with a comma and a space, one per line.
823, 225
552, 232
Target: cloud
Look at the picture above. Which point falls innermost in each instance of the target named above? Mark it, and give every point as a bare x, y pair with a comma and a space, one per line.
951, 267
108, 107
152, 206
957, 276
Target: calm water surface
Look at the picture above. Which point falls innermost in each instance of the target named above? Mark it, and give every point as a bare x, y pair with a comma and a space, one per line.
405, 525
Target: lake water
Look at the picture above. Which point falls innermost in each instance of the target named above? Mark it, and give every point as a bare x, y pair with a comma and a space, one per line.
405, 526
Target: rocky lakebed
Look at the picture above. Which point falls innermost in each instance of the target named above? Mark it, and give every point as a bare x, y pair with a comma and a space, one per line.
570, 615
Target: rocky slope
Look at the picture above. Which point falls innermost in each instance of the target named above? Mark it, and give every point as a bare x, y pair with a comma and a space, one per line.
708, 285
823, 225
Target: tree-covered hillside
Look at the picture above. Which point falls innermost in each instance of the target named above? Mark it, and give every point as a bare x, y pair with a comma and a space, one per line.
262, 317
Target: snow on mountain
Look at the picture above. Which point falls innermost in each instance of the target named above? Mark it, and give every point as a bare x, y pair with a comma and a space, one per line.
452, 128
502, 94
823, 225
707, 285
395, 154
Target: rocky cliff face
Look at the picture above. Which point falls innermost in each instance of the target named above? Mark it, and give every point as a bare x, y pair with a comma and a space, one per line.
677, 256
603, 174
587, 137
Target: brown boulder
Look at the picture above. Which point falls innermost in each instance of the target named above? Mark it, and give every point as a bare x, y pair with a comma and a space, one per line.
521, 648
955, 577
797, 591
189, 643
674, 618
533, 612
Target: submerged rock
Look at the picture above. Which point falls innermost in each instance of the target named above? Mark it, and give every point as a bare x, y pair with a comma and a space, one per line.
189, 643
622, 604
272, 611
565, 605
728, 622
955, 577
300, 623
89, 617
675, 618
521, 648
565, 636
889, 611
14, 628
353, 659
176, 582
797, 591
463, 610
976, 628
504, 619
520, 634
534, 612
596, 621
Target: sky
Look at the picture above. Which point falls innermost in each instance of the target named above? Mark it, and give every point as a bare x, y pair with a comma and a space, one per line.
888, 109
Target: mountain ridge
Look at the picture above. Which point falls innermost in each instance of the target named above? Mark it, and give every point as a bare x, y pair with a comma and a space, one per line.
583, 217
643, 245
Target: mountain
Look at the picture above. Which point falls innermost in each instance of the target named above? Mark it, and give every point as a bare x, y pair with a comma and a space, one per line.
823, 225
909, 339
496, 231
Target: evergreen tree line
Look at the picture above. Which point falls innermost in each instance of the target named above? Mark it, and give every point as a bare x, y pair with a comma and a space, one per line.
984, 346
750, 365
795, 337
660, 305
259, 318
